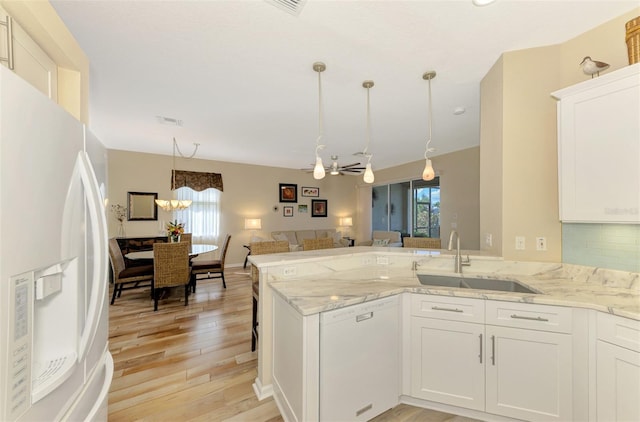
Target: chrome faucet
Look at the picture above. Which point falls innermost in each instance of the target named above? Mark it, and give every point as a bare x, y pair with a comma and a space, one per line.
458, 262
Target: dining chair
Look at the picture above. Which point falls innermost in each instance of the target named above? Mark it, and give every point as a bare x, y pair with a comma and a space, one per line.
187, 237
320, 243
421, 242
127, 278
171, 268
261, 248
213, 268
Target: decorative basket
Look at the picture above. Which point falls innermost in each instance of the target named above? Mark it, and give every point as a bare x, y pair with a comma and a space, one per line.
633, 40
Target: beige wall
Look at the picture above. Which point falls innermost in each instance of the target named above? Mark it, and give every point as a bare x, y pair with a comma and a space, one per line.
518, 137
249, 192
491, 111
40, 20
460, 196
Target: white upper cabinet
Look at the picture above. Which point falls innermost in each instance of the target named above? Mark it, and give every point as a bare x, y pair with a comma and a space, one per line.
599, 148
29, 61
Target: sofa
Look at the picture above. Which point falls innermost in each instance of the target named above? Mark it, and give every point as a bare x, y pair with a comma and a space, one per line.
382, 238
296, 237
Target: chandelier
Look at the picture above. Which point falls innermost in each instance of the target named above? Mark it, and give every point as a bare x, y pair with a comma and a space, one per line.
175, 204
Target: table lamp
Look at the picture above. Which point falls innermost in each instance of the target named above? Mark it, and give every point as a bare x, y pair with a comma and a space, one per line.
253, 224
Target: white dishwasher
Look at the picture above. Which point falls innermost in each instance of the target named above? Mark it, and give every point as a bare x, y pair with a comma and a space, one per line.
359, 360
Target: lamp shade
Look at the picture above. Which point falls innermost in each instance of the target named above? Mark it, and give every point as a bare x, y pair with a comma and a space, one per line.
346, 222
368, 174
428, 173
252, 224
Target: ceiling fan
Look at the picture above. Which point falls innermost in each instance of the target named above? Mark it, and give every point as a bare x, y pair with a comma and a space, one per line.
335, 168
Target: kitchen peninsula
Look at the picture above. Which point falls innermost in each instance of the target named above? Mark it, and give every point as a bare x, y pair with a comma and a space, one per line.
566, 333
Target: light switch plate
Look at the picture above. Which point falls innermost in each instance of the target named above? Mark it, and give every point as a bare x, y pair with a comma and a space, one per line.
519, 243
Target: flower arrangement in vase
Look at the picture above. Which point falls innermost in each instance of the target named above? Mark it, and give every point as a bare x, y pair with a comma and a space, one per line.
174, 230
120, 213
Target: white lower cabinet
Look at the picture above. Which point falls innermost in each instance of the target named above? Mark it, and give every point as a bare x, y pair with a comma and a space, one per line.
447, 362
528, 374
618, 369
516, 369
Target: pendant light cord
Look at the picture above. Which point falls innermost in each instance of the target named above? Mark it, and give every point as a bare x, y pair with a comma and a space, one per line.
368, 127
429, 120
320, 117
177, 148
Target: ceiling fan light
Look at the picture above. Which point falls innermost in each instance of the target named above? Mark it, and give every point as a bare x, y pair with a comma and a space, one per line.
428, 173
368, 174
318, 170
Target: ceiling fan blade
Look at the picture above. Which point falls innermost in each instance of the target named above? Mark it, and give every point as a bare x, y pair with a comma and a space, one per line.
352, 165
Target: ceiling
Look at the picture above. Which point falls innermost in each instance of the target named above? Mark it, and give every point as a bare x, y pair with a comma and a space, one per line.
239, 76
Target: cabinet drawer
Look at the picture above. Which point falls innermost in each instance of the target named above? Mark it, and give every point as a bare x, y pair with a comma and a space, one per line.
620, 331
529, 316
447, 307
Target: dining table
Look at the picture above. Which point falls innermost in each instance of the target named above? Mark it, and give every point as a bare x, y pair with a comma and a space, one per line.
195, 251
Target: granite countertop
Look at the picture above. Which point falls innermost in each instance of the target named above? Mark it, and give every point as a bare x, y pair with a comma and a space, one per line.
329, 279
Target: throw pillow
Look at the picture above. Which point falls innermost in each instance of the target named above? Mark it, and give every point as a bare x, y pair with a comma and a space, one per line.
380, 242
336, 237
280, 236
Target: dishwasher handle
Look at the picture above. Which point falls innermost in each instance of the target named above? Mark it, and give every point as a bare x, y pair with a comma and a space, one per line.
364, 317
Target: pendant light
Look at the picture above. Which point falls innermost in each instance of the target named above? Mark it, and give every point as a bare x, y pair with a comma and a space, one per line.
428, 173
175, 204
318, 169
368, 173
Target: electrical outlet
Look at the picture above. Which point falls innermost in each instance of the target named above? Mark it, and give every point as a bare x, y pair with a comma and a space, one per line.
488, 239
520, 243
541, 243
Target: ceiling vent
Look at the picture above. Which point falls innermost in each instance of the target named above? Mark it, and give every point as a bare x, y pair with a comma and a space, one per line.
169, 121
293, 7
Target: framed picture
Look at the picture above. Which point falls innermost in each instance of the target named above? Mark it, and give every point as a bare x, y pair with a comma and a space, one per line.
318, 208
142, 206
287, 210
288, 192
303, 208
307, 191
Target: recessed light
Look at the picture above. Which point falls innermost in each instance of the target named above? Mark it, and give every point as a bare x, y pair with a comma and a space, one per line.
169, 121
482, 2
459, 110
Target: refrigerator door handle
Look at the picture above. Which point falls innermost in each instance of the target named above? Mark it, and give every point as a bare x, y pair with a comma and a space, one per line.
97, 220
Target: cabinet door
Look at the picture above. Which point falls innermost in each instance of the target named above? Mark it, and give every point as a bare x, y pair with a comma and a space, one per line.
618, 383
528, 374
447, 362
30, 62
599, 149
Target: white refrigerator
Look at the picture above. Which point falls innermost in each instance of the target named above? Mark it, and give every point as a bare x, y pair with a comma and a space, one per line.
54, 358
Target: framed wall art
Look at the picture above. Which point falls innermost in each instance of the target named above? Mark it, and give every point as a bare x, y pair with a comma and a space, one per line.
287, 210
318, 208
288, 192
308, 191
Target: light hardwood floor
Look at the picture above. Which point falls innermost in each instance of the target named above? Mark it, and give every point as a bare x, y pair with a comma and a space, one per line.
193, 363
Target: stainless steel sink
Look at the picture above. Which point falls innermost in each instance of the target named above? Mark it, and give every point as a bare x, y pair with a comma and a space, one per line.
474, 283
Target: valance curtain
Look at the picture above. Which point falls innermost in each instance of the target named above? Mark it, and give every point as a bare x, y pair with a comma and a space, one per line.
196, 180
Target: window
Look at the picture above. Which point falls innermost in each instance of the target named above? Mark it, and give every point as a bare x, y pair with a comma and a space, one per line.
426, 208
202, 218
412, 208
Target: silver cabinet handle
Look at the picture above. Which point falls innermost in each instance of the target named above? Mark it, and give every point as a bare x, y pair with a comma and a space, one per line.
493, 350
364, 317
480, 355
438, 308
514, 316
9, 24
